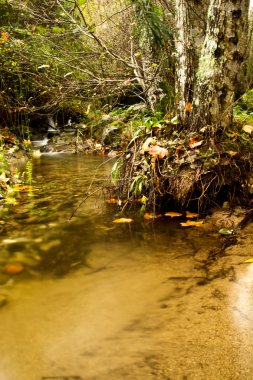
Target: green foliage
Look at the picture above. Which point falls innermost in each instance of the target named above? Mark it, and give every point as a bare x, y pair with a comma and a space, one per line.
152, 15
116, 170
243, 110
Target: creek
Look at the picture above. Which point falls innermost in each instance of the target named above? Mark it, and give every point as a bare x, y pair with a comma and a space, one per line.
97, 300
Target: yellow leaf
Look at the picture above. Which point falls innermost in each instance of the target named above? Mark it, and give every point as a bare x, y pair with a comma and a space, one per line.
249, 261
173, 214
191, 223
5, 36
151, 216
123, 220
191, 215
248, 129
233, 153
23, 188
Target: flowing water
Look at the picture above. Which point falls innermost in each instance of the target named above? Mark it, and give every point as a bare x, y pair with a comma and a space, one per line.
95, 300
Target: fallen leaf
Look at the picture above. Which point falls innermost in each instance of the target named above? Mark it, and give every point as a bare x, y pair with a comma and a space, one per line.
188, 107
151, 216
145, 146
123, 220
191, 215
191, 223
248, 129
173, 214
226, 231
233, 154
158, 152
249, 261
194, 142
13, 269
23, 188
5, 36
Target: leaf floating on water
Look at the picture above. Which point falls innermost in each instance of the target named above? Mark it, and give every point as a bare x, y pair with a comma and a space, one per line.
249, 260
248, 129
123, 220
13, 269
226, 231
191, 223
173, 214
191, 215
148, 216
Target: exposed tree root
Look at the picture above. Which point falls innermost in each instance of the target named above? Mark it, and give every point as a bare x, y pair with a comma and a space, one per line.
189, 172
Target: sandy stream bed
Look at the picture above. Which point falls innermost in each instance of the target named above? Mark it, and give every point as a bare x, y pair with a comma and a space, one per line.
159, 319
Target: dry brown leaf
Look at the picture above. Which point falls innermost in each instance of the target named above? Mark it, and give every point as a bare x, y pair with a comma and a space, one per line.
191, 215
248, 129
173, 214
158, 152
123, 220
191, 223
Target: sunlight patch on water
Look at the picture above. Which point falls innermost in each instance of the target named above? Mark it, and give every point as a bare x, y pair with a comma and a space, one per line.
242, 301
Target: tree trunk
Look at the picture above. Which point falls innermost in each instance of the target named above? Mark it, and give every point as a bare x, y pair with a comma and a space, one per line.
148, 65
190, 27
220, 63
211, 47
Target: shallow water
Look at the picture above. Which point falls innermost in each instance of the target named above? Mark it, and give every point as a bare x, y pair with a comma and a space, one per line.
104, 301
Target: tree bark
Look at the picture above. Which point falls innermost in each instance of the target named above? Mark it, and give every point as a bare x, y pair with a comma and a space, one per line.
219, 68
190, 31
211, 46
